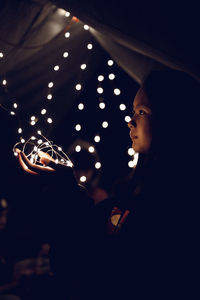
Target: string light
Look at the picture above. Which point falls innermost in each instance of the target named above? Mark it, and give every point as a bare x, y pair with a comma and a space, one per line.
78, 87
67, 14
97, 138
89, 46
56, 68
49, 120
12, 113
100, 78
19, 130
131, 151
65, 54
83, 179
86, 27
100, 90
78, 148
91, 149
78, 127
4, 82
105, 124
102, 105
133, 163
110, 62
49, 96
67, 35
127, 119
83, 66
43, 111
81, 106
15, 105
38, 149
122, 107
117, 92
111, 76
1, 54
98, 165
50, 84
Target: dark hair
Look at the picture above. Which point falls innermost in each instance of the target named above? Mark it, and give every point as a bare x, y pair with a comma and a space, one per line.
174, 97
170, 167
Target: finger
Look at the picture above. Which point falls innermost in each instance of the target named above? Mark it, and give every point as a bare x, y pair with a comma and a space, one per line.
24, 166
35, 168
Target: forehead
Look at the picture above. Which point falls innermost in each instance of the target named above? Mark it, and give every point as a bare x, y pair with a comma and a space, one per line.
141, 98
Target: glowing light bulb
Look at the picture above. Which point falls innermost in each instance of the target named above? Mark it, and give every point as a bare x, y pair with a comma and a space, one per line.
78, 127
81, 106
100, 78
105, 124
131, 152
111, 76
32, 118
97, 138
15, 105
100, 90
102, 105
89, 46
122, 107
117, 92
61, 11
15, 154
83, 179
110, 62
91, 149
35, 148
78, 87
98, 165
50, 84
67, 14
56, 68
83, 66
43, 111
127, 119
32, 123
33, 138
59, 148
39, 132
39, 142
1, 54
65, 54
4, 82
19, 130
67, 35
49, 96
130, 164
22, 140
12, 113
49, 120
78, 148
86, 27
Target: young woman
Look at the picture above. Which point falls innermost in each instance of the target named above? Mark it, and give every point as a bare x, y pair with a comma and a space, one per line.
136, 244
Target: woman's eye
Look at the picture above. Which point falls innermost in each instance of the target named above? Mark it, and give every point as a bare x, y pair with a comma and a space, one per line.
141, 112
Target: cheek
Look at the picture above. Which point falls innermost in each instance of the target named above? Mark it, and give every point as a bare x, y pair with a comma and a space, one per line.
146, 135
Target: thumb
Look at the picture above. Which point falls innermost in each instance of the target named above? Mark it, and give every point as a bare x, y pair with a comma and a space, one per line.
45, 161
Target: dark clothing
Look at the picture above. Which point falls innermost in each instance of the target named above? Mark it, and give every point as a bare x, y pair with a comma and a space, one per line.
141, 259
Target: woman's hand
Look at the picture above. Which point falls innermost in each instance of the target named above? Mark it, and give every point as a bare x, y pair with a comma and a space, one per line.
51, 170
49, 164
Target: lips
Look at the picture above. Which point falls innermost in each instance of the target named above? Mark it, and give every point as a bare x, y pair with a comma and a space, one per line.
132, 136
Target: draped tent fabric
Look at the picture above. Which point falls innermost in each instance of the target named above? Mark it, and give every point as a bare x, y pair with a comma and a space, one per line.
163, 33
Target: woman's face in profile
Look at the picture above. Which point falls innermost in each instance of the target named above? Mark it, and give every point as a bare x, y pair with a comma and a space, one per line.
141, 123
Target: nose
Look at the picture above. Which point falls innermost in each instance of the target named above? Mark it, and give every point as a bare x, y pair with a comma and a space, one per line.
131, 123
